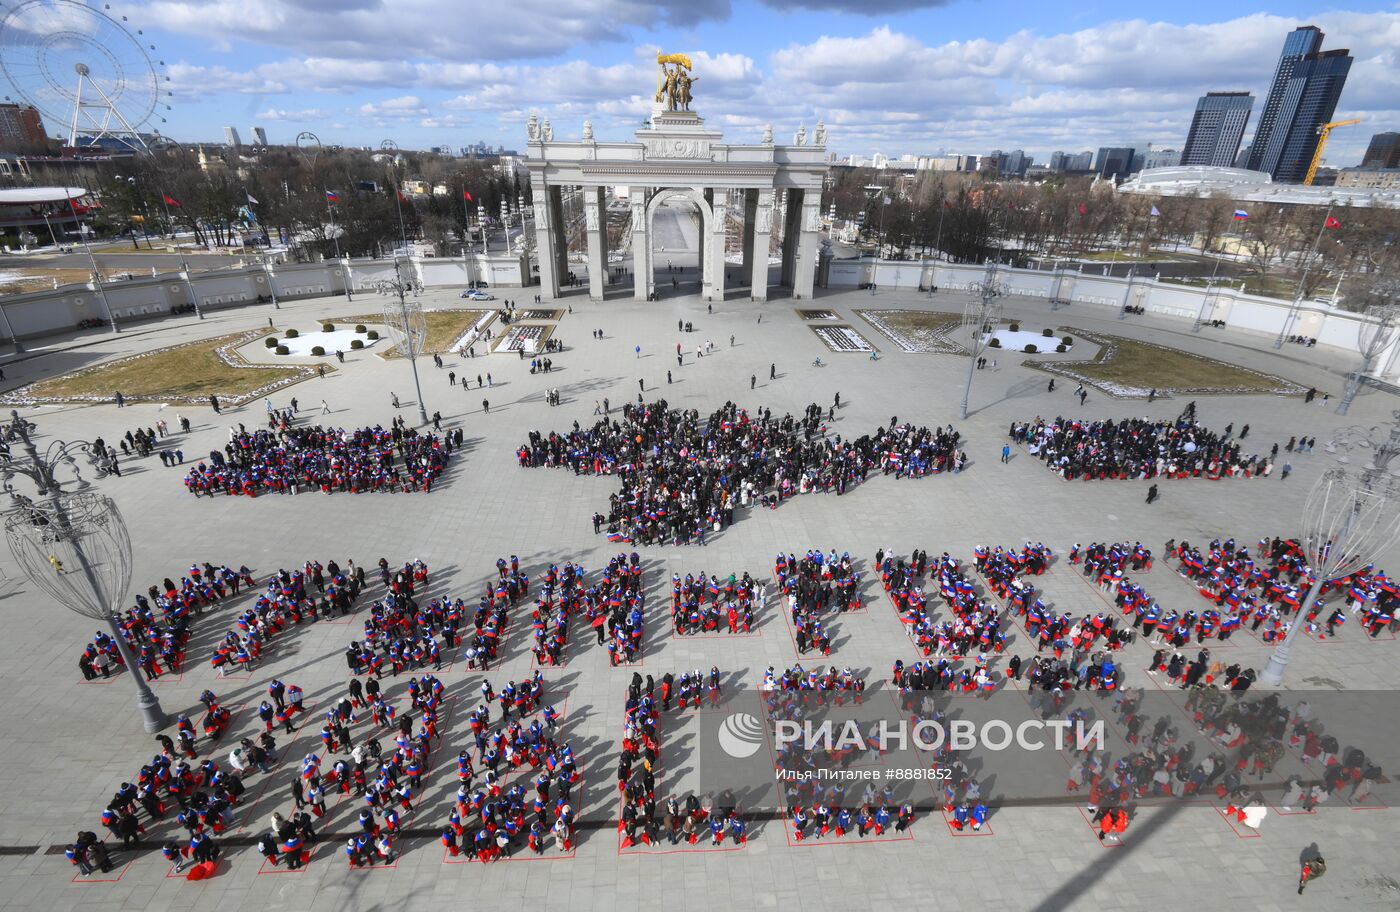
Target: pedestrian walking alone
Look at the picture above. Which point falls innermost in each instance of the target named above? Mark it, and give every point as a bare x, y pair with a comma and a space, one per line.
1312, 870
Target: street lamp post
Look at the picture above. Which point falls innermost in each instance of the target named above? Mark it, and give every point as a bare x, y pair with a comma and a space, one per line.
392, 148
407, 324
1350, 518
349, 278
189, 285
1374, 335
1297, 304
96, 275
1127, 293
980, 318
74, 547
271, 281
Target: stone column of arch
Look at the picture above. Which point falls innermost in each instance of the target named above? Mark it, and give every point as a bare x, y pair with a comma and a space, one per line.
641, 244
808, 237
719, 206
758, 250
546, 239
595, 215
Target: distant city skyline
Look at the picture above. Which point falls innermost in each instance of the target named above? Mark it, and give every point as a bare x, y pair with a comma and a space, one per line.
1038, 81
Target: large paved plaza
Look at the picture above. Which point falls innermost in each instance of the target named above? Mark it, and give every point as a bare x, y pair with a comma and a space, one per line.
69, 743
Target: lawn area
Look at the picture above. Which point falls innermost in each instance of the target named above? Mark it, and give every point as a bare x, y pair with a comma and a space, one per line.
444, 328
915, 330
1129, 368
186, 373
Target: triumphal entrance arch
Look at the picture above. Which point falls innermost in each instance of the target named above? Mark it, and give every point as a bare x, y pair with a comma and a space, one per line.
753, 189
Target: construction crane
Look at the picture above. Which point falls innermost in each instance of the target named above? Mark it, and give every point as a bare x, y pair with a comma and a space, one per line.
1322, 133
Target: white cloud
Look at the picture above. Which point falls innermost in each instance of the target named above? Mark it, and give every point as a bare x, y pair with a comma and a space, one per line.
1120, 82
442, 29
305, 114
406, 107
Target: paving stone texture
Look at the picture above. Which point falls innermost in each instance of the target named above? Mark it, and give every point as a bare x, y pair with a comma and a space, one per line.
70, 743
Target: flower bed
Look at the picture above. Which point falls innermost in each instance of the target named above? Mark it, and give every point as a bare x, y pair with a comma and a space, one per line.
818, 315
1096, 371
915, 331
108, 377
843, 339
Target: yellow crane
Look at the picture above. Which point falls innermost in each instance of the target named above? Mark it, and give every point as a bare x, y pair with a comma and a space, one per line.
1322, 133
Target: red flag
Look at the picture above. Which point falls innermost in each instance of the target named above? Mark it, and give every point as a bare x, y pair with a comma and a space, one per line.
1331, 223
947, 204
1083, 209
402, 198
467, 195
171, 201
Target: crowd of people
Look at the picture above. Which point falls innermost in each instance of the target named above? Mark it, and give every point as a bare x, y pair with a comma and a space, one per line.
330, 460
489, 821
158, 639
682, 477
818, 805
201, 795
812, 586
1267, 593
563, 594
707, 604
619, 611
1140, 448
976, 624
292, 598
685, 819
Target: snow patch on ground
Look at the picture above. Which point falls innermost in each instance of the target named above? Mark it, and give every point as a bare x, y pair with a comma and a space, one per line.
1017, 341
330, 341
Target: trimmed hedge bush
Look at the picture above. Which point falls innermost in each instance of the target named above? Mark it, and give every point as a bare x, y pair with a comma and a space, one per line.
357, 344
327, 327
372, 334
1067, 340
360, 328
270, 341
283, 350
995, 343
292, 334
1047, 333
1015, 327
317, 350
1061, 348
1030, 349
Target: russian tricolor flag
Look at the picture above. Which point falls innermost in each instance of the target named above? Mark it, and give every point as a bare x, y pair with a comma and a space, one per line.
1241, 215
332, 196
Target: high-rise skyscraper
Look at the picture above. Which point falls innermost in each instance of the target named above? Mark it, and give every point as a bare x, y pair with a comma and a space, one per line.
259, 136
1383, 152
1307, 85
231, 137
1217, 129
1114, 161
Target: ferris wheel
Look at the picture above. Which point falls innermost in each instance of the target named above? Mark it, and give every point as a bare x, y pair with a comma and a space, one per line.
84, 68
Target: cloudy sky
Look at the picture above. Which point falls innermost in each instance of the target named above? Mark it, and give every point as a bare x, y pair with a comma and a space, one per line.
896, 76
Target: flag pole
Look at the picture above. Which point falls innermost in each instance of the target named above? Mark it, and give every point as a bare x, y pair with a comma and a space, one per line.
1302, 282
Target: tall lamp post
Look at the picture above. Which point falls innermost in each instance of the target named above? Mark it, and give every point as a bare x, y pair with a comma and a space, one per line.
391, 147
271, 280
74, 547
96, 274
1297, 304
1351, 517
1374, 336
408, 326
981, 315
